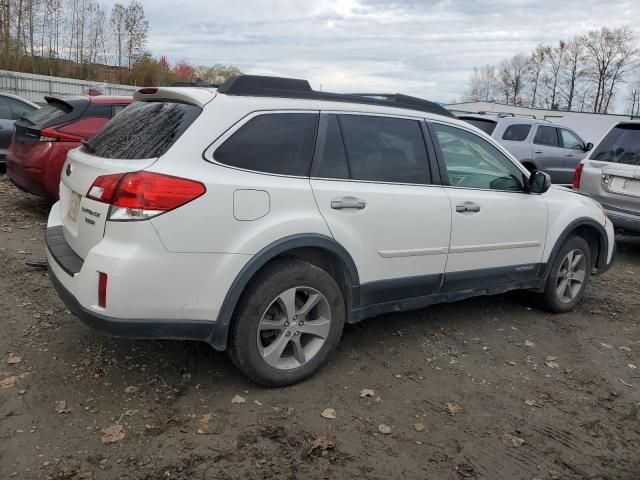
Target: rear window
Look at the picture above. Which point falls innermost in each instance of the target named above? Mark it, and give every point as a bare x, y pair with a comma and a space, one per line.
47, 115
516, 133
487, 126
621, 145
143, 130
280, 143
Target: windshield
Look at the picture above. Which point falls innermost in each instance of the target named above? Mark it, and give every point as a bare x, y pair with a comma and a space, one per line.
621, 145
142, 130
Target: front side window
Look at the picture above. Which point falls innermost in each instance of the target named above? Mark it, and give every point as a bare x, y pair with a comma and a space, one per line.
621, 145
385, 149
516, 133
570, 140
280, 143
472, 162
547, 136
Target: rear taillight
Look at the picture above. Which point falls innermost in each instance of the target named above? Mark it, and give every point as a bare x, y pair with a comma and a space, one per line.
577, 176
51, 135
143, 195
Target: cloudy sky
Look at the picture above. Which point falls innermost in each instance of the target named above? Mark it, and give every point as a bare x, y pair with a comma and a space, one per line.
425, 48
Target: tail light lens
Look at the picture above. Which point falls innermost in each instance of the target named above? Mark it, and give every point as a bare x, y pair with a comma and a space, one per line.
143, 195
51, 135
577, 176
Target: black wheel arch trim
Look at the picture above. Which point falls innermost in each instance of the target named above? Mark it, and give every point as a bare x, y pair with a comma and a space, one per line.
219, 336
601, 264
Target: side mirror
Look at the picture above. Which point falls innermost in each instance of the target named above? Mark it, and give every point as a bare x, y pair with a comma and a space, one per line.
588, 147
539, 182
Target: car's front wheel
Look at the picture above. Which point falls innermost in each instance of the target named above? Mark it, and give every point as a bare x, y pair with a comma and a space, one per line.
568, 277
287, 323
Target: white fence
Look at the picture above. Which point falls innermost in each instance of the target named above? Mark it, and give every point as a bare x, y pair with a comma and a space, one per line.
35, 87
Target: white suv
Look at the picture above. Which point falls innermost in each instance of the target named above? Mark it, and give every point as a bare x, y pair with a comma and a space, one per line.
263, 216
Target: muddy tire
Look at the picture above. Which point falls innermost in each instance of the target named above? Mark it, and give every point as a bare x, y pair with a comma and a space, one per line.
568, 277
287, 323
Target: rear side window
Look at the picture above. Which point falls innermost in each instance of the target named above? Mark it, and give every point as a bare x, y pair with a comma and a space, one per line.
487, 126
143, 130
621, 145
96, 110
385, 149
5, 110
280, 143
47, 115
546, 136
20, 109
516, 133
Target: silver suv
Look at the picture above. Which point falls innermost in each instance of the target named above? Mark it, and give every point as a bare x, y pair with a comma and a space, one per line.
538, 144
611, 175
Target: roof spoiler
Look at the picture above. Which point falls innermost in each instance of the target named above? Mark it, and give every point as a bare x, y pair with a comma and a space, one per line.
192, 95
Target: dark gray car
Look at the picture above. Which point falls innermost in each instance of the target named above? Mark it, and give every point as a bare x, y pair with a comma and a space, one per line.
538, 144
12, 108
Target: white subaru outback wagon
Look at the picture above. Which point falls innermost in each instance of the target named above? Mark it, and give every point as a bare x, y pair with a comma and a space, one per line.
262, 216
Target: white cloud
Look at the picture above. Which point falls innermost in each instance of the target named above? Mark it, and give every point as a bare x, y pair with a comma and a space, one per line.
416, 47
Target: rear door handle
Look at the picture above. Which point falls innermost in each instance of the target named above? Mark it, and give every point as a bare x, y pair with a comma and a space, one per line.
537, 151
467, 207
348, 202
569, 155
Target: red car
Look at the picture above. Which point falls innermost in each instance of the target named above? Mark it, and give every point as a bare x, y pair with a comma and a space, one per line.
44, 136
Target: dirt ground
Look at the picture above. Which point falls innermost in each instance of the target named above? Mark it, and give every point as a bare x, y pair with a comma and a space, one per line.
489, 388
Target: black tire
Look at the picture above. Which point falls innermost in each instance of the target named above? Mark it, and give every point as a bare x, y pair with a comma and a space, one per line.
550, 298
260, 294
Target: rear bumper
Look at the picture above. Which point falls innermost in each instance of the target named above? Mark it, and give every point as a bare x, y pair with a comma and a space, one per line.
625, 221
198, 330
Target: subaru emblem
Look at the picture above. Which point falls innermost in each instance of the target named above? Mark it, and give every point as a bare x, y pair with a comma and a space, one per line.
68, 170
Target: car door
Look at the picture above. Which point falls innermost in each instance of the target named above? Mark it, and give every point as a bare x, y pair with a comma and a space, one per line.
497, 229
372, 182
548, 154
574, 152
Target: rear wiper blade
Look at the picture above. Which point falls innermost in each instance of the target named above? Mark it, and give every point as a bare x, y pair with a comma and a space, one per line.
88, 146
27, 120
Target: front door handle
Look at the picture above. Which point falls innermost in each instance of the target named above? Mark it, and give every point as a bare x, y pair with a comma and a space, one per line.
348, 202
537, 151
467, 207
569, 155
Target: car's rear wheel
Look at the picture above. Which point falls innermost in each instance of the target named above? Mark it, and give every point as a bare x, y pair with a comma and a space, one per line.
287, 323
568, 277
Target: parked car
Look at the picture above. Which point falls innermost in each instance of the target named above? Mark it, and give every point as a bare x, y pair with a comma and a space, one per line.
611, 175
43, 138
12, 108
538, 144
263, 216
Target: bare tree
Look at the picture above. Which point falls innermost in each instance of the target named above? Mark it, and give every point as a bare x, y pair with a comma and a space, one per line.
573, 71
537, 63
634, 99
136, 28
610, 55
118, 14
513, 77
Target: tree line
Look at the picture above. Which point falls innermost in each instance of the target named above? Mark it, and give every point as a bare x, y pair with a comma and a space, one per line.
84, 39
583, 74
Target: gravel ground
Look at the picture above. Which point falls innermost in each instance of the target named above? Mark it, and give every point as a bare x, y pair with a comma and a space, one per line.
488, 388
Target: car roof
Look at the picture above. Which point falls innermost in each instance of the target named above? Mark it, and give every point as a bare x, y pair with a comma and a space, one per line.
18, 98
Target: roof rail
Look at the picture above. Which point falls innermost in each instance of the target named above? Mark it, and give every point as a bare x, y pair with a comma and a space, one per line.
261, 86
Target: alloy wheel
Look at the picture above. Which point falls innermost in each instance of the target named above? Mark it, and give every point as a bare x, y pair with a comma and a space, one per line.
293, 328
571, 276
